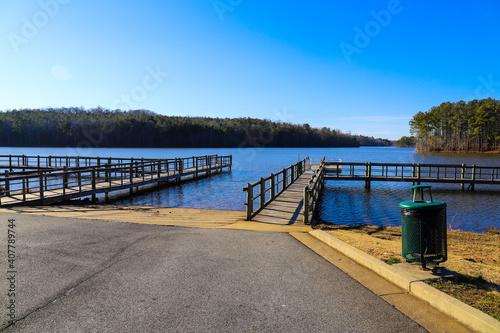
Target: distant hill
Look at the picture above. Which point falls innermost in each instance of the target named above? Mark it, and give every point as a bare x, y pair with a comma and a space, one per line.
77, 127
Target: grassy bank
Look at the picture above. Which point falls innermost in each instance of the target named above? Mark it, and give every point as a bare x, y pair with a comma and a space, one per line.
475, 256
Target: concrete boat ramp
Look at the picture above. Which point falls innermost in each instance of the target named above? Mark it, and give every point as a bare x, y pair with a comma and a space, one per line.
129, 269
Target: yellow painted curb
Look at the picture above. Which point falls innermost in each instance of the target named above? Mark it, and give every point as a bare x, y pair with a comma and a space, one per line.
399, 278
464, 313
460, 311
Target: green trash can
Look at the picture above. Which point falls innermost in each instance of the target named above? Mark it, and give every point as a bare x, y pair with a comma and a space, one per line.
423, 225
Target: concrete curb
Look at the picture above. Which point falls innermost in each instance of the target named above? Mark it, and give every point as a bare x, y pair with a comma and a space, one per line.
460, 311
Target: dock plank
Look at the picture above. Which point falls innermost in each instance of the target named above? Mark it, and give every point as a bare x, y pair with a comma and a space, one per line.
287, 207
103, 186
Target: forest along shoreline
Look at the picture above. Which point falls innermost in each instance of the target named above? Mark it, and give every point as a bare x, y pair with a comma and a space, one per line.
458, 152
461, 126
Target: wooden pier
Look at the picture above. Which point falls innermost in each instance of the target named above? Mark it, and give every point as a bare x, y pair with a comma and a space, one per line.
275, 197
57, 178
299, 202
466, 176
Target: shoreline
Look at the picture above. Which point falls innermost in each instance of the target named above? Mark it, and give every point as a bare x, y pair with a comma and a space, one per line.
457, 151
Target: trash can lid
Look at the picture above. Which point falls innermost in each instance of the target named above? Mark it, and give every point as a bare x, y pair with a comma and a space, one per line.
421, 204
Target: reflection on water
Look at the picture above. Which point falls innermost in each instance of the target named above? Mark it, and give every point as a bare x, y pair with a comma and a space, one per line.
343, 202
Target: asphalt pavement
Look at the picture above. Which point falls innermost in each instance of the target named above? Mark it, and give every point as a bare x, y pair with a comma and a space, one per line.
74, 275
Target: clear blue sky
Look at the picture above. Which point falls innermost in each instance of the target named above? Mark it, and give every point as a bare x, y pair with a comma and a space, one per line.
360, 66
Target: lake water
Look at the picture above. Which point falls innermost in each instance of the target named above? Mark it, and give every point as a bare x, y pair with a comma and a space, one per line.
343, 202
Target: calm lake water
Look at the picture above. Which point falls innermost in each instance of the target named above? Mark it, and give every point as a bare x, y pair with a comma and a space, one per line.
343, 202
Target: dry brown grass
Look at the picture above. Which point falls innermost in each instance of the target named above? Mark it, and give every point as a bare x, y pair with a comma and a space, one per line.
469, 253
476, 256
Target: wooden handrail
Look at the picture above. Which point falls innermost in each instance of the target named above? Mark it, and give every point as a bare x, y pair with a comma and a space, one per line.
43, 181
274, 184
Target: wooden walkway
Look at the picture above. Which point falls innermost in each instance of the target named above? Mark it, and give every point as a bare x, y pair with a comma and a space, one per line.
413, 173
50, 187
287, 208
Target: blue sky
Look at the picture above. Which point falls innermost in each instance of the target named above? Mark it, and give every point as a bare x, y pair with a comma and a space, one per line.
360, 66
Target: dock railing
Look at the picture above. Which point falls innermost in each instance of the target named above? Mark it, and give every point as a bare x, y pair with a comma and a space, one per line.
416, 173
261, 192
95, 177
312, 192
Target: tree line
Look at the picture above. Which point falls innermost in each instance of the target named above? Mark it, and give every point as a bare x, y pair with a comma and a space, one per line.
459, 126
406, 142
98, 127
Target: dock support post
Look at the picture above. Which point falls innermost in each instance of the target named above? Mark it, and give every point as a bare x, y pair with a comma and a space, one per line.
98, 164
473, 177
107, 173
284, 179
24, 190
462, 176
41, 187
7, 183
131, 177
262, 192
65, 177
418, 173
196, 165
249, 201
273, 184
92, 179
412, 172
106, 197
306, 205
368, 172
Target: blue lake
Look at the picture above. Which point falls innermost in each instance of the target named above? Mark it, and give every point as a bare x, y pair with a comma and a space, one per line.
343, 202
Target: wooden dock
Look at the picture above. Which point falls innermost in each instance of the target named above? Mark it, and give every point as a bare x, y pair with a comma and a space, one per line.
465, 175
287, 208
278, 197
46, 185
298, 200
